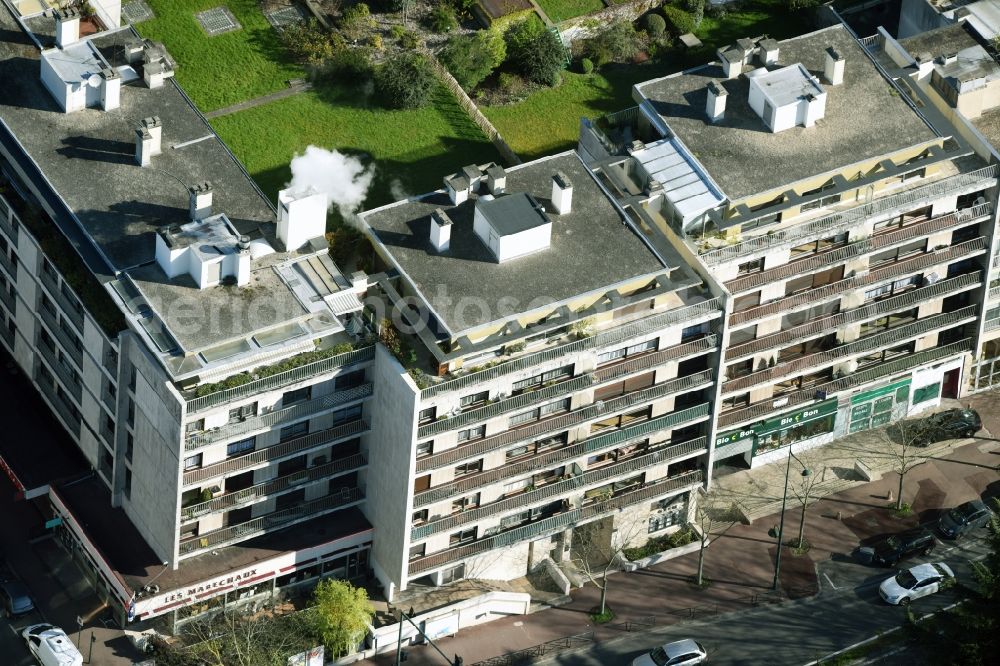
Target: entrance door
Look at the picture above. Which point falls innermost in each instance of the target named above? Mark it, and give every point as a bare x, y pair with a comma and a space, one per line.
949, 388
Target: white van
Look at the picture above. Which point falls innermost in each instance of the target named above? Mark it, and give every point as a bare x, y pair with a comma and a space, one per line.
51, 646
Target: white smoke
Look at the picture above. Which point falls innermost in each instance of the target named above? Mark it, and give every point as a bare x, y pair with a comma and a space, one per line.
344, 179
397, 190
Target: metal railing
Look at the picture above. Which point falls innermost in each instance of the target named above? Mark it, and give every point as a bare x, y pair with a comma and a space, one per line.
276, 451
994, 292
992, 324
817, 361
554, 424
8, 266
603, 339
525, 500
527, 655
833, 224
558, 522
826, 323
282, 518
71, 419
74, 351
632, 365
8, 299
71, 383
250, 424
758, 411
281, 379
262, 490
9, 221
51, 284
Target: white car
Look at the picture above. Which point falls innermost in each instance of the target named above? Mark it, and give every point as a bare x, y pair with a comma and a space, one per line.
678, 653
919, 581
51, 646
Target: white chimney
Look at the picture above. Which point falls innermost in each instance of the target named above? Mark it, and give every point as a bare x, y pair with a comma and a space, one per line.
111, 89
143, 146
562, 193
200, 202
301, 216
731, 61
925, 64
155, 129
833, 68
767, 51
715, 105
475, 176
359, 282
457, 186
440, 230
243, 258
153, 74
67, 27
496, 179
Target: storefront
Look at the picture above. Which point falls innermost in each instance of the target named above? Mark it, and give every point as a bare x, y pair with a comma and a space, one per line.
877, 407
931, 385
752, 441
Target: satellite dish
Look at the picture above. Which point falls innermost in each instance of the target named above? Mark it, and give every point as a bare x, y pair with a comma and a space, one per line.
94, 81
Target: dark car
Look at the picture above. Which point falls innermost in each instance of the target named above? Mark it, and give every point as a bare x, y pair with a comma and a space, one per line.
894, 548
15, 599
964, 518
949, 424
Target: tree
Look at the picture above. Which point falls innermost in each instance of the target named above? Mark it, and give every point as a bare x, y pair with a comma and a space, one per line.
405, 81
310, 43
442, 18
802, 492
471, 58
596, 553
535, 52
343, 614
236, 639
714, 516
656, 25
619, 43
357, 22
904, 442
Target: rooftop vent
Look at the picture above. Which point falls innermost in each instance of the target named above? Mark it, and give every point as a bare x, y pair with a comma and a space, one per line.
731, 61
925, 64
715, 104
200, 202
457, 186
111, 89
67, 26
148, 140
440, 230
946, 59
475, 176
833, 67
210, 251
158, 66
301, 216
512, 226
562, 193
496, 179
786, 97
767, 51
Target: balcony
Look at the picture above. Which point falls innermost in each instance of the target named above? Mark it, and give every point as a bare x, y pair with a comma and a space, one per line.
835, 290
263, 490
819, 360
69, 381
70, 309
8, 266
7, 335
266, 523
760, 410
555, 424
65, 411
694, 314
9, 300
828, 323
557, 523
9, 221
276, 452
830, 225
630, 366
251, 424
525, 500
280, 380
74, 351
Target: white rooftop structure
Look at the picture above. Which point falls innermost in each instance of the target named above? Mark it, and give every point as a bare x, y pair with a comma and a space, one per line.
984, 16
786, 97
688, 189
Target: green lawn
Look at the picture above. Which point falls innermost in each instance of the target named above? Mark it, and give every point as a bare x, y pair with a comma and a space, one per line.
411, 149
549, 120
560, 10
225, 69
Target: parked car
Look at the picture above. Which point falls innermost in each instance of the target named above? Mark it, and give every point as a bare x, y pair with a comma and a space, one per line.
894, 548
919, 581
678, 653
949, 424
15, 599
51, 646
964, 518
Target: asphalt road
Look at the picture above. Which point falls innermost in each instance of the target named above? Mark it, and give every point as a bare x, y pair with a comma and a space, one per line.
846, 611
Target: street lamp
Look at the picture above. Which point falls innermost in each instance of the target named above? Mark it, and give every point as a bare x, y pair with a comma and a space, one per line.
781, 521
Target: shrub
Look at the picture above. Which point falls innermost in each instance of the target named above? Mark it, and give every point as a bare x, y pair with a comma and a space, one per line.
511, 85
310, 43
397, 31
619, 43
442, 18
586, 65
357, 22
471, 58
377, 42
535, 52
656, 25
404, 81
350, 65
680, 21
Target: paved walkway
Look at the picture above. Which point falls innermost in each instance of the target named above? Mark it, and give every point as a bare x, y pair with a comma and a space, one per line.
293, 89
740, 561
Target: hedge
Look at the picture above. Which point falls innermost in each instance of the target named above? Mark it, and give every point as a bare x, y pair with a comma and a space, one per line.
679, 20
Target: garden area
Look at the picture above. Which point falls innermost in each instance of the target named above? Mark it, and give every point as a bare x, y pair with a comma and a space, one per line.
560, 10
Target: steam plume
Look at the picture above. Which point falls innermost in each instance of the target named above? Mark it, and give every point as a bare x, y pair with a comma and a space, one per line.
344, 179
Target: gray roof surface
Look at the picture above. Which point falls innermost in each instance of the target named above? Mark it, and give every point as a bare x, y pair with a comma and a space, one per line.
864, 119
591, 249
949, 39
514, 213
988, 125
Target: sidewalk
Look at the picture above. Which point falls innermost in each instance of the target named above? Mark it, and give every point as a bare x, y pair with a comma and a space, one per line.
740, 561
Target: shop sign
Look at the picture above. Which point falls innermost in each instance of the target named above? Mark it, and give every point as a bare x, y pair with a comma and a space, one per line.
893, 388
733, 437
862, 411
225, 581
883, 404
789, 420
880, 419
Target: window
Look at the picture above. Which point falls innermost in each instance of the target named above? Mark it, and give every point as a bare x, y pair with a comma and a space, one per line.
475, 399
519, 452
129, 446
294, 430
417, 552
345, 415
641, 348
539, 412
194, 426
755, 266
465, 536
241, 413
427, 415
130, 418
420, 517
241, 447
127, 489
425, 449
469, 468
421, 483
471, 433
516, 486
298, 395
667, 512
192, 462
349, 380
132, 374
694, 332
464, 503
543, 378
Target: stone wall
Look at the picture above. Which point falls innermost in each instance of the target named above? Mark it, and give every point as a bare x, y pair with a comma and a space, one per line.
584, 27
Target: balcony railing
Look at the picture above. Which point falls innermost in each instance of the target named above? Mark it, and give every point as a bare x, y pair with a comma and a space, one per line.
630, 366
281, 379
8, 266
992, 324
72, 350
285, 517
525, 500
833, 224
557, 523
693, 313
8, 220
7, 335
994, 293
276, 451
282, 483
875, 276
9, 300
62, 408
264, 421
760, 410
825, 323
819, 360
70, 310
555, 424
70, 382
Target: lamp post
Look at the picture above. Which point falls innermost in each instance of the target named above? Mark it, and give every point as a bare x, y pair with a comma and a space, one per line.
781, 521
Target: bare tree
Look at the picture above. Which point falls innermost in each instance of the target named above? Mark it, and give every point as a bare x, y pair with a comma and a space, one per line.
802, 492
714, 517
237, 639
597, 550
904, 448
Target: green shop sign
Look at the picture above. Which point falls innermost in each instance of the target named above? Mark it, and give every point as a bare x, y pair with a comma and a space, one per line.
901, 390
790, 420
734, 436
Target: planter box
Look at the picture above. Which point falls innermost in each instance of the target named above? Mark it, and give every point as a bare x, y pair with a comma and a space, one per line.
662, 557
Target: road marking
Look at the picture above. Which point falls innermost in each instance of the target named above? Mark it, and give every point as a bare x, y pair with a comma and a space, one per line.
829, 581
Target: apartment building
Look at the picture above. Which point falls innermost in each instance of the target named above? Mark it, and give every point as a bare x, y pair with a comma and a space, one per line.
561, 376
198, 345
850, 225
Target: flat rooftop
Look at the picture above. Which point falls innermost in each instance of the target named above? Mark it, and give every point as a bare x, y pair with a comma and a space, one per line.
591, 249
865, 119
940, 41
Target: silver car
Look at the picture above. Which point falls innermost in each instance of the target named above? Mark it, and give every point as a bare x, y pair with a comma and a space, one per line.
678, 653
919, 581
